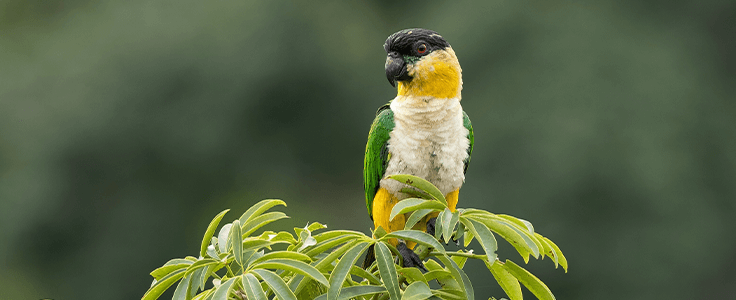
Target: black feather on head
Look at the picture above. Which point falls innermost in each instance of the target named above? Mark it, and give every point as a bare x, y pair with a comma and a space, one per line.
405, 42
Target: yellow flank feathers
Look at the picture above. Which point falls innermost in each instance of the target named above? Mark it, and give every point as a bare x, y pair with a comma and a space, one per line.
451, 198
436, 75
383, 202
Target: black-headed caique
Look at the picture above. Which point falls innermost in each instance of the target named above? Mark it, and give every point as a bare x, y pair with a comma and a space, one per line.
423, 131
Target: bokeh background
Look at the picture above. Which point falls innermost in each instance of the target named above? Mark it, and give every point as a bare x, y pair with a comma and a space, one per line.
125, 126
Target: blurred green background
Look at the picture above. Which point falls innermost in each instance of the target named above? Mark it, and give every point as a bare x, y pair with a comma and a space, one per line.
125, 126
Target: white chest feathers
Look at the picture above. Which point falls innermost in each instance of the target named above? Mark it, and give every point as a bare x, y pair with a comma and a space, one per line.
428, 141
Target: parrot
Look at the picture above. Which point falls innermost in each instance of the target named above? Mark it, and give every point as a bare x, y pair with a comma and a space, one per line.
423, 132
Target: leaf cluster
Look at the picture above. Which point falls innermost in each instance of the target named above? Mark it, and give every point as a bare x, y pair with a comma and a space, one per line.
239, 264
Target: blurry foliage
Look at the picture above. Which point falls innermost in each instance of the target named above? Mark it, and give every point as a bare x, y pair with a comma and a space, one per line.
243, 264
125, 125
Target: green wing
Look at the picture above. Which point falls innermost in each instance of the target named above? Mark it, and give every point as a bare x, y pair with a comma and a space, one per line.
376, 154
466, 123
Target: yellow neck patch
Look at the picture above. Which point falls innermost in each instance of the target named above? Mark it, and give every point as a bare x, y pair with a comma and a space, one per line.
437, 75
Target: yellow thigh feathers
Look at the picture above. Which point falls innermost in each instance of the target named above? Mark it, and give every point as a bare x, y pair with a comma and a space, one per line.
384, 201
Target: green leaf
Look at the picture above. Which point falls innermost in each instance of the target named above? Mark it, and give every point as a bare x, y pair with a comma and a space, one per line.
449, 220
325, 262
301, 231
531, 282
418, 237
417, 291
460, 260
223, 291
379, 232
508, 282
506, 232
160, 286
421, 184
315, 226
458, 273
358, 271
197, 281
222, 241
260, 221
255, 244
414, 193
259, 208
282, 236
444, 277
283, 254
277, 284
205, 262
249, 256
547, 249
524, 228
447, 294
453, 221
519, 222
485, 238
356, 291
412, 204
305, 240
530, 240
342, 269
416, 216
438, 225
331, 243
432, 265
561, 257
182, 290
387, 269
294, 266
437, 274
467, 238
412, 274
170, 266
252, 287
211, 252
335, 254
205, 295
460, 232
210, 232
334, 233
236, 239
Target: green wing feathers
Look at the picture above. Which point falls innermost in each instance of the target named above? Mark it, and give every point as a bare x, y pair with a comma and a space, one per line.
376, 154
466, 123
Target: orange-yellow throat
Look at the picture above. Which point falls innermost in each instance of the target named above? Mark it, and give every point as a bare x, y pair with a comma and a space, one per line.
436, 75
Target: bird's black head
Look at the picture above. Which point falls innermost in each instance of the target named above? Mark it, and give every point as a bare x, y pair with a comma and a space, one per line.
408, 46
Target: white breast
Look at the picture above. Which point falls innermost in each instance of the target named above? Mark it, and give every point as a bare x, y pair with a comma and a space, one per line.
429, 141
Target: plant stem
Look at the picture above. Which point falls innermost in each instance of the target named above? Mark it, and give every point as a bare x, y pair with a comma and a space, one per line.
468, 255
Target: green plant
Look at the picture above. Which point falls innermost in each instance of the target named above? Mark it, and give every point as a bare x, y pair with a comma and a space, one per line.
322, 266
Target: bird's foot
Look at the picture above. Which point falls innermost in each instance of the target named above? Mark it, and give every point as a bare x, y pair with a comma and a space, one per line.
410, 259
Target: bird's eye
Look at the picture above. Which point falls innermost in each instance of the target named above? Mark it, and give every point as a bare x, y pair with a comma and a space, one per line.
421, 49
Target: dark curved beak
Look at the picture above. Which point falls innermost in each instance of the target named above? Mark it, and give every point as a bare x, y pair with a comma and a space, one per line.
396, 69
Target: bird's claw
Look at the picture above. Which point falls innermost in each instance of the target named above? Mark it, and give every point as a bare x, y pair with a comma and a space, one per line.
410, 259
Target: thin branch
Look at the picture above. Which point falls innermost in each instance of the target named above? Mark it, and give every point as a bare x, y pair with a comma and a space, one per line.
468, 255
